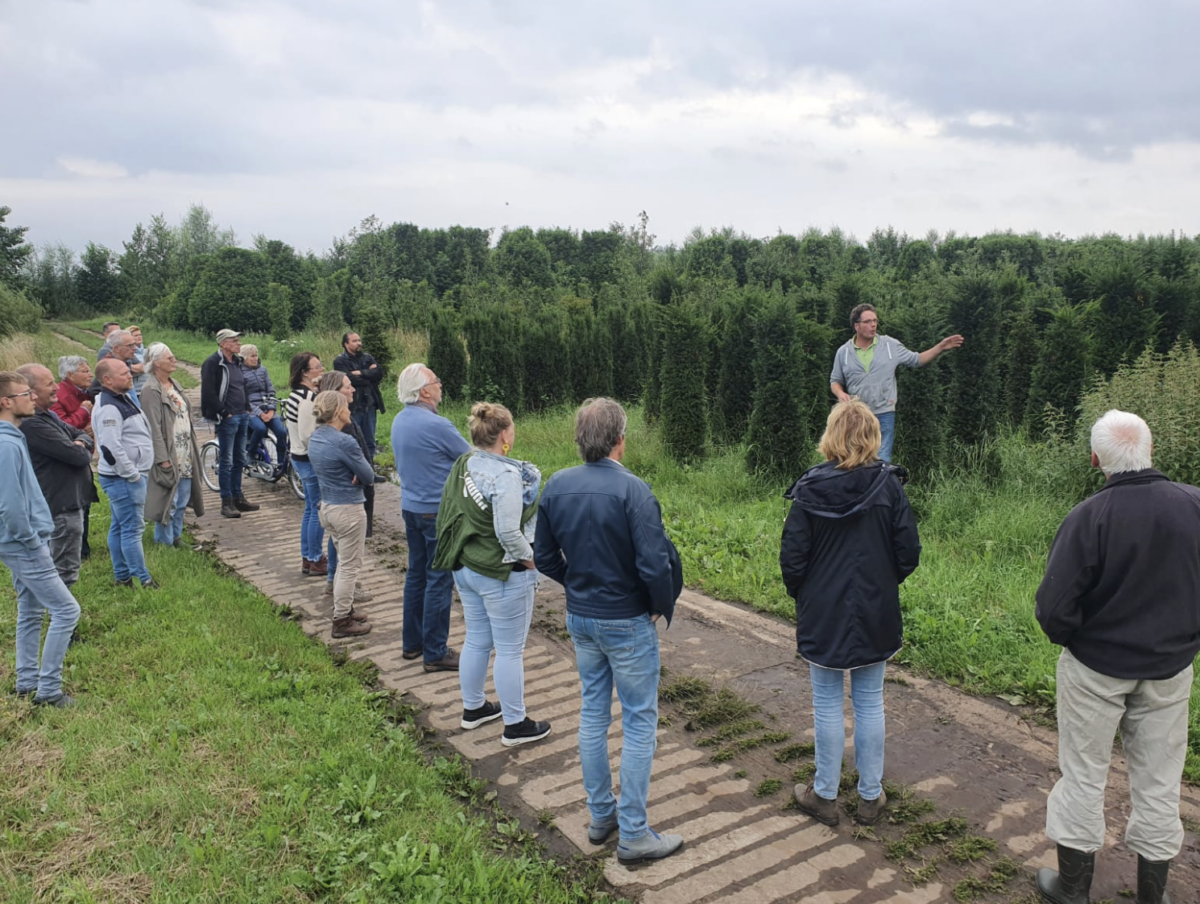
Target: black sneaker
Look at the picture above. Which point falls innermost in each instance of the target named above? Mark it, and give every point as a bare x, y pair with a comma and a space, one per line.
128, 582
473, 718
62, 701
524, 732
152, 585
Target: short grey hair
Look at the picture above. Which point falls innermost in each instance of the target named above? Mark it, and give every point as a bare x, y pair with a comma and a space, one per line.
599, 426
250, 349
1121, 442
68, 364
155, 353
410, 383
120, 337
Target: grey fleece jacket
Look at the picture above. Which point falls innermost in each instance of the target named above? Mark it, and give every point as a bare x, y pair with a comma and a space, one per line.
876, 389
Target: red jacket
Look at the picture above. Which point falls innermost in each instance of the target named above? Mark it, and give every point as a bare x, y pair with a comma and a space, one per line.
70, 408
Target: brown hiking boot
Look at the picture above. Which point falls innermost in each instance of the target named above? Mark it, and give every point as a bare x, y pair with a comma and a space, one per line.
358, 617
820, 809
869, 811
348, 627
242, 504
318, 568
448, 663
228, 509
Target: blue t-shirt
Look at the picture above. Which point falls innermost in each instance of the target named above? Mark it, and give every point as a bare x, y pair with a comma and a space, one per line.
426, 446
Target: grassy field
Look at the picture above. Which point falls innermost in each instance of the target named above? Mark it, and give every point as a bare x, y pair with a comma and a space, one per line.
219, 754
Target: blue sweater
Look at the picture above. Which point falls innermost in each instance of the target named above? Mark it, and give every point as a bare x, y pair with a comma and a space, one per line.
337, 458
25, 521
426, 447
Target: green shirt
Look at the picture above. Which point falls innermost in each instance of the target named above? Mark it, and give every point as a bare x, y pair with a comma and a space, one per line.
867, 355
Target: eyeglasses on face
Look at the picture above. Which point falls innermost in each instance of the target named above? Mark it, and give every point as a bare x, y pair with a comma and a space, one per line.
869, 322
433, 383
20, 395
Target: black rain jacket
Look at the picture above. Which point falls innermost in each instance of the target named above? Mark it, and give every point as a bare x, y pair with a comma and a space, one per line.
848, 543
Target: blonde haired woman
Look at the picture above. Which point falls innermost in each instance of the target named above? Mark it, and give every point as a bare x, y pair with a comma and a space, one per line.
171, 488
342, 471
485, 529
849, 541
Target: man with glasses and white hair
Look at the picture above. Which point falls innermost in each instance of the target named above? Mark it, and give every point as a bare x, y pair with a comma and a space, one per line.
123, 349
426, 446
1121, 595
865, 368
600, 534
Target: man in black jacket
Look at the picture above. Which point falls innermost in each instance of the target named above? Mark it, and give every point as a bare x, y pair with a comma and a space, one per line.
62, 461
1121, 595
223, 401
364, 375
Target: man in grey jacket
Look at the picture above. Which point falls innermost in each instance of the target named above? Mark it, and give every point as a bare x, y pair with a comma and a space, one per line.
865, 368
126, 456
25, 530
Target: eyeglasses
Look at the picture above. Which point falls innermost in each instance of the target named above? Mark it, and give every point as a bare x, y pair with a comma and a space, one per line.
433, 383
20, 395
869, 322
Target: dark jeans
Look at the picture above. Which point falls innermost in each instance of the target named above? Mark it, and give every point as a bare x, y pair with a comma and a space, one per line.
258, 430
231, 440
427, 593
365, 421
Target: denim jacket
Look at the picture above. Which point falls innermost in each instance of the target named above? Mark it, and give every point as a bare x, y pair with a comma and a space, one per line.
509, 486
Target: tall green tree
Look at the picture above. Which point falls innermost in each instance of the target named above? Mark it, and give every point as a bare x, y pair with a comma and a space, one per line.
231, 293
778, 443
447, 353
15, 252
98, 286
734, 401
684, 403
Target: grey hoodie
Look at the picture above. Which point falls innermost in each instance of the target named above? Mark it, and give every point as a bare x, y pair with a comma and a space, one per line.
876, 389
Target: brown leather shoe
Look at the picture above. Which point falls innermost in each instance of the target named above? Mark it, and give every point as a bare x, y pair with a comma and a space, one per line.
411, 654
357, 616
820, 809
448, 663
319, 568
242, 504
869, 811
348, 627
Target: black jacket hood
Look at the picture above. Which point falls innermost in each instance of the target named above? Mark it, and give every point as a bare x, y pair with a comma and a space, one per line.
827, 492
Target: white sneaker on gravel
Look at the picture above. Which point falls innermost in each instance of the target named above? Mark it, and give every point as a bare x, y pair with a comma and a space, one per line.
650, 846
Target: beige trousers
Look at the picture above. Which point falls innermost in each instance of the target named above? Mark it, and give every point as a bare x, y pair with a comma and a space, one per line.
347, 528
1153, 719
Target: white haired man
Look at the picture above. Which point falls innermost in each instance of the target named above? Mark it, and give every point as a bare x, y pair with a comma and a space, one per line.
426, 446
1121, 595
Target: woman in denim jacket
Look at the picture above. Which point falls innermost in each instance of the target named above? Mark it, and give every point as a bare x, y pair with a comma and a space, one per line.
264, 408
485, 531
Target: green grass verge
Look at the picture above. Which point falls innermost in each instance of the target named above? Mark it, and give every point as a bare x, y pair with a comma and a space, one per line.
219, 754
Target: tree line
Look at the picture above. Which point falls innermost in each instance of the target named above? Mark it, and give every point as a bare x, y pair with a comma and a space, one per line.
726, 339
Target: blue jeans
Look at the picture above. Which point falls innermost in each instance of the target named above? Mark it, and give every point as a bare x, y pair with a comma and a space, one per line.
174, 530
128, 503
866, 694
39, 591
497, 614
312, 535
231, 440
624, 651
887, 427
427, 593
257, 431
365, 420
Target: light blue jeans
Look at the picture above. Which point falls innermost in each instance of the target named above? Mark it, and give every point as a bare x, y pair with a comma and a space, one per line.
40, 591
625, 652
312, 535
174, 529
497, 614
127, 500
887, 428
866, 695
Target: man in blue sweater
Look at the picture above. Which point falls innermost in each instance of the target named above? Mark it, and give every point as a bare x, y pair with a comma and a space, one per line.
26, 527
426, 446
600, 534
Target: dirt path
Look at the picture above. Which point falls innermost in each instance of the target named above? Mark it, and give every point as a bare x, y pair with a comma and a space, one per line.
980, 760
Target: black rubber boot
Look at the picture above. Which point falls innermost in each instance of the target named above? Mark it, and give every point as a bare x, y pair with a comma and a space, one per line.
1152, 881
1070, 885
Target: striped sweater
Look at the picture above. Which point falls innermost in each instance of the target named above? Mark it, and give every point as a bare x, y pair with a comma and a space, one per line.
300, 420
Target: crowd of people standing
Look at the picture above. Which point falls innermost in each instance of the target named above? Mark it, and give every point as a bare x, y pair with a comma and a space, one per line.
480, 520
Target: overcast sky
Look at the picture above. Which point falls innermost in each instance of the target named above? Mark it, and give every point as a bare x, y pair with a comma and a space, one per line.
298, 118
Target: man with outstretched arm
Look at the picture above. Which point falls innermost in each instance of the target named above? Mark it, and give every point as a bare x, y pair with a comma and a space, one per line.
26, 527
600, 534
865, 368
1121, 595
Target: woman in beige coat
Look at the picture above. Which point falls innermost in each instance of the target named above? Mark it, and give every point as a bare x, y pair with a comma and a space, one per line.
176, 453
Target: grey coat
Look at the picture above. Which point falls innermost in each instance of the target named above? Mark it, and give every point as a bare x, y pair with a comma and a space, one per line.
160, 488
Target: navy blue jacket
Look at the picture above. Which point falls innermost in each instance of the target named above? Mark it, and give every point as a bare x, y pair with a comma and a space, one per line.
600, 534
1122, 584
848, 543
